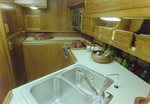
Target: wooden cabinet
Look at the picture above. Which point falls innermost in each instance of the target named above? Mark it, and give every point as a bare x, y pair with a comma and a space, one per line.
72, 58
74, 3
43, 58
86, 23
56, 18
11, 57
117, 8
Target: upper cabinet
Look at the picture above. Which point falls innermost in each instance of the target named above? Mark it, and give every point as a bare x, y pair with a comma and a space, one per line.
28, 3
74, 3
119, 8
9, 17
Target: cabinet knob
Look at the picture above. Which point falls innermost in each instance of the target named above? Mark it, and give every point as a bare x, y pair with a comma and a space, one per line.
10, 45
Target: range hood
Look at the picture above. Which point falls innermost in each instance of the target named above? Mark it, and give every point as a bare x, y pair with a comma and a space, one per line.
29, 3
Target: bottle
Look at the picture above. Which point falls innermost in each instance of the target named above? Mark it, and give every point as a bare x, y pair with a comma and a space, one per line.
125, 61
145, 73
133, 67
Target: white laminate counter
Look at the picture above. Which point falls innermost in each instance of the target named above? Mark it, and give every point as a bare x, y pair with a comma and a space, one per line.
130, 86
31, 39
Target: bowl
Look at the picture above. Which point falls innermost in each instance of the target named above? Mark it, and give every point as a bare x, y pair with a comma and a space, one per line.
100, 59
141, 100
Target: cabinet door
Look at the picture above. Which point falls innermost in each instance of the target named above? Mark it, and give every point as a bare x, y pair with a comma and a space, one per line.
9, 16
70, 3
17, 60
87, 25
42, 59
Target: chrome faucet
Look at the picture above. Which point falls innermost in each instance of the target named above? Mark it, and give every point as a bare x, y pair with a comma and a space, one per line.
100, 95
116, 85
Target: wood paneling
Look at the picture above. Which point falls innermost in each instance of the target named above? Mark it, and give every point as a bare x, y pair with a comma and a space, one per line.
97, 30
113, 5
33, 22
135, 25
74, 3
17, 59
57, 17
21, 22
72, 58
123, 38
129, 13
124, 24
106, 33
142, 46
6, 74
12, 62
43, 58
9, 16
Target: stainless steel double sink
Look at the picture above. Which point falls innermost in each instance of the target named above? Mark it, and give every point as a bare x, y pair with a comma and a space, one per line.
65, 86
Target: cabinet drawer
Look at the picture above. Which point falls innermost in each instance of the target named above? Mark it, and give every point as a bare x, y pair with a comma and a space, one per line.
123, 38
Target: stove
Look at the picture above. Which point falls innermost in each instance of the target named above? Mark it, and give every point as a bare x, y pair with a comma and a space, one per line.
68, 46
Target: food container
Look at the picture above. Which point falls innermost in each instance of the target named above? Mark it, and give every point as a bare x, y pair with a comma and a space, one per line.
88, 48
77, 43
100, 59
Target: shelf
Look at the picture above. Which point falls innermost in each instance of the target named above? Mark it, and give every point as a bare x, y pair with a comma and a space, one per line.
48, 31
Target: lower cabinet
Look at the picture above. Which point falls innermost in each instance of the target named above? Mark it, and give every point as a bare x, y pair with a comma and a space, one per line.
42, 58
72, 58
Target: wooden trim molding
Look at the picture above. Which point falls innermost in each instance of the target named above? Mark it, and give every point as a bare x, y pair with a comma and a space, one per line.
8, 98
129, 13
13, 35
35, 25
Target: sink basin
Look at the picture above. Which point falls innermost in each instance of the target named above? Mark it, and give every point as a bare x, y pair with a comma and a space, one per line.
65, 86
79, 81
55, 91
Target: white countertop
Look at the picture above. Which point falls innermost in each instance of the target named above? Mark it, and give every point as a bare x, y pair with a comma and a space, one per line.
130, 86
31, 39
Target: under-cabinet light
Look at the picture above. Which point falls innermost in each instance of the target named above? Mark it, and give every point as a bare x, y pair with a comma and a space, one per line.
34, 7
111, 19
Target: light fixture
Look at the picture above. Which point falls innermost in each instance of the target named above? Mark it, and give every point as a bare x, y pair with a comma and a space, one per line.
110, 19
33, 7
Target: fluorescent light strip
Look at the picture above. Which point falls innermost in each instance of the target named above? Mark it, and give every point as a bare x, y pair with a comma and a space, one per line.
111, 19
33, 7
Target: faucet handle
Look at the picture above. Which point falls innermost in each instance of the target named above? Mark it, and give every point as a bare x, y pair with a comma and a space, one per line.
99, 90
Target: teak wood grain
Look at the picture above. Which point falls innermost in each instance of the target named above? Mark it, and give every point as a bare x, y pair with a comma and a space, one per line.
33, 22
142, 48
106, 33
136, 13
7, 81
124, 24
74, 3
43, 58
57, 17
96, 31
123, 38
94, 6
135, 24
9, 17
72, 58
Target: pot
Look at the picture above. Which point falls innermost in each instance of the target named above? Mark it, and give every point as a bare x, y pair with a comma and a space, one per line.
77, 43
